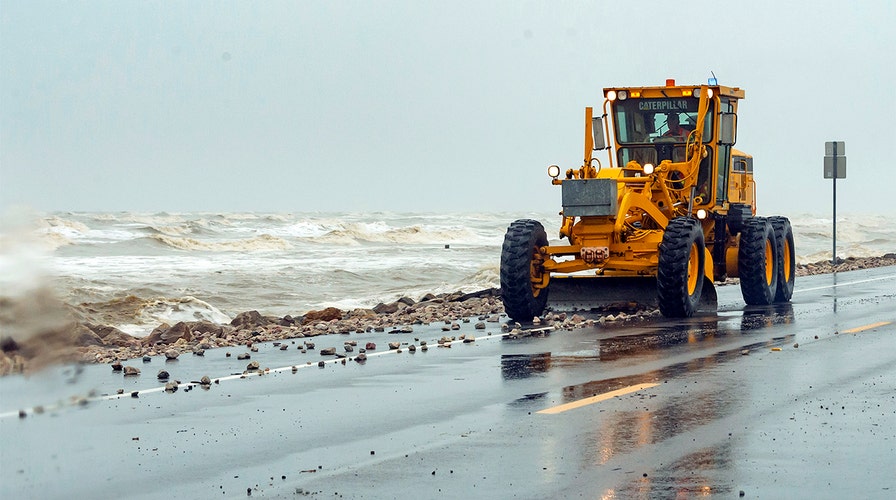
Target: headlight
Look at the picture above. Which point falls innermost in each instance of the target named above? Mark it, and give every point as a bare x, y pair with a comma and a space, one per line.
648, 168
623, 95
701, 214
554, 171
611, 95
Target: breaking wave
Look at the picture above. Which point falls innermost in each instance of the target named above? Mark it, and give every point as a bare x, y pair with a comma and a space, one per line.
261, 243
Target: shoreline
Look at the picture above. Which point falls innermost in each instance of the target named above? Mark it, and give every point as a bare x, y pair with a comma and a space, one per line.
79, 341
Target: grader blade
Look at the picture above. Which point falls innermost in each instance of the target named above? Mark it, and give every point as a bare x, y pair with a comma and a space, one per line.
586, 293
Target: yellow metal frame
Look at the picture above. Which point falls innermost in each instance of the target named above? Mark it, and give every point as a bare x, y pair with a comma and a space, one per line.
646, 203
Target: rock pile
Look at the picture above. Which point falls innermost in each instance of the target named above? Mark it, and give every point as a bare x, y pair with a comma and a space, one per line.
86, 342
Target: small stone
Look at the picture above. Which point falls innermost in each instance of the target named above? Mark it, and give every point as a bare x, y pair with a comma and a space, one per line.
244, 355
135, 394
360, 358
163, 375
171, 387
130, 371
745, 352
328, 351
309, 345
227, 354
116, 366
370, 346
171, 354
412, 348
252, 366
253, 349
321, 364
349, 348
205, 380
394, 345
198, 352
120, 391
469, 340
295, 368
796, 346
284, 347
479, 326
147, 359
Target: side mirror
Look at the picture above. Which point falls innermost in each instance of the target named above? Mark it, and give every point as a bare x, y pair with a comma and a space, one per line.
728, 132
597, 132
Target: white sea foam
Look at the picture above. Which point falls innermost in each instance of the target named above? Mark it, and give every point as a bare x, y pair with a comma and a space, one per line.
183, 309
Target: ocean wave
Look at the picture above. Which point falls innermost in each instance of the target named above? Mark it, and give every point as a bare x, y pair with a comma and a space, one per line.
261, 243
357, 233
139, 316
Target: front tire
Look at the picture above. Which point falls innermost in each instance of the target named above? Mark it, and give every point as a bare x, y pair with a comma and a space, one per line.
521, 262
757, 262
681, 268
786, 258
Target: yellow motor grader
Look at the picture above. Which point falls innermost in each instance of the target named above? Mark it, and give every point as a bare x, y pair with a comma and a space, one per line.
670, 211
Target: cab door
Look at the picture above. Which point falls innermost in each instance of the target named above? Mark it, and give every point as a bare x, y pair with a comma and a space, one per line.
741, 187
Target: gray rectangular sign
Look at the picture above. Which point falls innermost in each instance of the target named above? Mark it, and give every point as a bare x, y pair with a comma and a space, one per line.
830, 145
829, 167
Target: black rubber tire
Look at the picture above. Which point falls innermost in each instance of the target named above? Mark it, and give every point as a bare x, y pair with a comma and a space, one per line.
786, 258
522, 302
679, 282
757, 262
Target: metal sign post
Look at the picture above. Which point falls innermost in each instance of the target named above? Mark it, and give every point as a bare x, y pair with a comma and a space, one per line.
835, 168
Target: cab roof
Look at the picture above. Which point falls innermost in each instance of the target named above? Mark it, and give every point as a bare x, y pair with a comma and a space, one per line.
672, 90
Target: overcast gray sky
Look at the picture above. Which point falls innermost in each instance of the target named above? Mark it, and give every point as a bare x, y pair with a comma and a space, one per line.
414, 105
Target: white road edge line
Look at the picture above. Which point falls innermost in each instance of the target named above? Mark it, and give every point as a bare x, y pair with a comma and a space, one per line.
259, 373
835, 285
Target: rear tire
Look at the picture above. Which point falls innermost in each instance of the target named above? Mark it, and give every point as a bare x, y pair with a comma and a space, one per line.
757, 262
681, 268
786, 258
519, 264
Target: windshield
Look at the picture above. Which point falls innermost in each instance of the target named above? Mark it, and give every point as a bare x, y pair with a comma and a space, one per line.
644, 121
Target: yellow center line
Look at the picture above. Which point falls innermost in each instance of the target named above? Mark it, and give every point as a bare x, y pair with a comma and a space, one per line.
866, 327
596, 399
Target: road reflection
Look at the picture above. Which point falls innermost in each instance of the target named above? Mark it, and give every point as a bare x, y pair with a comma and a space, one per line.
517, 366
643, 420
653, 342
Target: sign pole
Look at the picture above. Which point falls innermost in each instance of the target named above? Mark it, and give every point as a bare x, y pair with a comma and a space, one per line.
834, 261
835, 166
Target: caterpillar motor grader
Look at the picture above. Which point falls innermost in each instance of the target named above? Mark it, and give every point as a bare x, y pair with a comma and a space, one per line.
670, 211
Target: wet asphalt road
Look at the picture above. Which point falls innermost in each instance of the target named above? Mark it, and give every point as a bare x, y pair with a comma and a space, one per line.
704, 406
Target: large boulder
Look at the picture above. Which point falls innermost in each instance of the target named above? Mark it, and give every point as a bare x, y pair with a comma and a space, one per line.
327, 314
208, 329
251, 319
114, 336
382, 308
81, 336
169, 334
